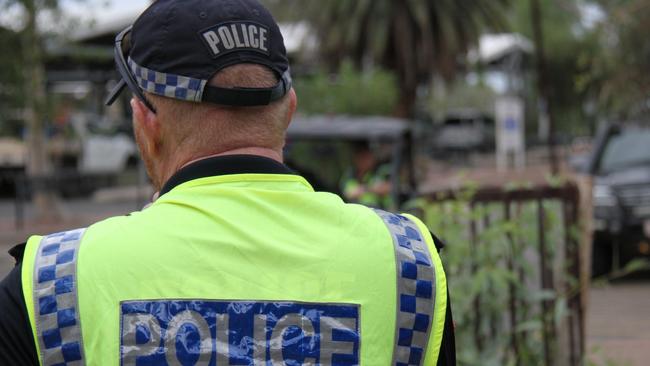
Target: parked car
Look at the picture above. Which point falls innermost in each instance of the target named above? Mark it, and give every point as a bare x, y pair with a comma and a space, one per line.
620, 165
465, 131
89, 154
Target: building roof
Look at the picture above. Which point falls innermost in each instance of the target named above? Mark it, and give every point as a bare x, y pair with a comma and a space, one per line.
494, 47
347, 128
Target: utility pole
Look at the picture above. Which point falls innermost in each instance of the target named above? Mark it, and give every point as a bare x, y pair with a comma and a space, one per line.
543, 84
38, 167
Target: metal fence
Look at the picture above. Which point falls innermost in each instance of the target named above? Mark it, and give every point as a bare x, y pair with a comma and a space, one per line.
552, 263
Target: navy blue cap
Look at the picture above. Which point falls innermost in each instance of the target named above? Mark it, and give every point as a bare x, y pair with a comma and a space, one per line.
177, 46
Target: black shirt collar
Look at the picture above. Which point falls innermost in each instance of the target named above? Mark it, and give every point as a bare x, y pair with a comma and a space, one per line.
225, 165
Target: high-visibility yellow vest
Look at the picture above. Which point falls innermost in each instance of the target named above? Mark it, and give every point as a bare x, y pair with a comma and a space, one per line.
236, 270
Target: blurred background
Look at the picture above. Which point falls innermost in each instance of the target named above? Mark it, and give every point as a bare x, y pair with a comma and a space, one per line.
517, 129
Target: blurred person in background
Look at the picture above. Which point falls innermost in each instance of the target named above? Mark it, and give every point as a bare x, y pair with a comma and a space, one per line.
238, 260
368, 181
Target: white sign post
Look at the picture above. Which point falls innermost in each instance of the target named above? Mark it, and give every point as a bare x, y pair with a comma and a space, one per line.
510, 133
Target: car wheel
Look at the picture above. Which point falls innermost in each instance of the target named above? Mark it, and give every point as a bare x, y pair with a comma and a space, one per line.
601, 255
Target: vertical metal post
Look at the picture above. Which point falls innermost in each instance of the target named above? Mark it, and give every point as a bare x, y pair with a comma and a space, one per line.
477, 301
572, 204
493, 319
546, 284
616, 253
512, 300
542, 258
569, 254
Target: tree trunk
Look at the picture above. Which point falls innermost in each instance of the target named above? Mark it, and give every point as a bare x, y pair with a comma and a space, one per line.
38, 167
405, 59
406, 104
543, 81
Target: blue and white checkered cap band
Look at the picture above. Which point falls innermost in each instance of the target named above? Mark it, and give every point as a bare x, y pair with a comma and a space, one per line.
56, 308
415, 290
168, 85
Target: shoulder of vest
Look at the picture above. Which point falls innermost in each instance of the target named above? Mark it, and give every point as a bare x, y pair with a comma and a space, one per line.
39, 240
408, 226
39, 246
439, 243
420, 289
63, 236
112, 227
54, 300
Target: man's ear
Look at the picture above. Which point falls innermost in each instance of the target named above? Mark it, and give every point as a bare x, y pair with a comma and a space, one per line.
293, 104
148, 124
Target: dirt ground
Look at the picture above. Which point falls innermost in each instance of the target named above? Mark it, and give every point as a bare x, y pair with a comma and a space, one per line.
75, 214
618, 322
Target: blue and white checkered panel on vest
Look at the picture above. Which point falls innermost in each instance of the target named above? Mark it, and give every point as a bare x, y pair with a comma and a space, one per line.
415, 290
56, 308
168, 85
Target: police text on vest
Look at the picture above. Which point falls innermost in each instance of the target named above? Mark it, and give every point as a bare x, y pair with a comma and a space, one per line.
238, 333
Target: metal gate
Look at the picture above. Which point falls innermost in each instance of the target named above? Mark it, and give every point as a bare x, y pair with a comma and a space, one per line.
542, 268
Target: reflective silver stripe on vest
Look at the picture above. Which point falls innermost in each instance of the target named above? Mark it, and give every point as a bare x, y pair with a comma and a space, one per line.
56, 307
415, 290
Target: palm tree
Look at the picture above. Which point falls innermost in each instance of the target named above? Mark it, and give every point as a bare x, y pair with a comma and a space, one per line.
417, 39
616, 72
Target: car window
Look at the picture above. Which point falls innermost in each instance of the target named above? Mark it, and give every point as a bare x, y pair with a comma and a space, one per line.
453, 122
630, 148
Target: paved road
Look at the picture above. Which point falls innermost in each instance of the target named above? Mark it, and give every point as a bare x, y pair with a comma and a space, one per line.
76, 213
618, 322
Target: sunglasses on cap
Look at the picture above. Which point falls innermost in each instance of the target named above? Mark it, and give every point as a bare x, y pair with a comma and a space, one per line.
122, 50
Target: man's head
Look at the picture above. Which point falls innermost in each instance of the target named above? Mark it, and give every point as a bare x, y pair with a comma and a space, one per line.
209, 77
180, 132
363, 158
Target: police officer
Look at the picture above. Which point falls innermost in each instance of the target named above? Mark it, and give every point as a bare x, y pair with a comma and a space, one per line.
239, 261
367, 181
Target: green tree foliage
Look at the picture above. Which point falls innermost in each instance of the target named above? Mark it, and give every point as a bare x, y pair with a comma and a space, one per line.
34, 103
616, 72
11, 81
414, 38
565, 37
596, 71
348, 92
459, 96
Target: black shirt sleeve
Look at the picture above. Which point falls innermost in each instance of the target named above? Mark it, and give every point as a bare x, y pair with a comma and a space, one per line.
447, 356
16, 338
440, 245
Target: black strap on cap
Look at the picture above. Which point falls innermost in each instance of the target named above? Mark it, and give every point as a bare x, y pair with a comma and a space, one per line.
247, 97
